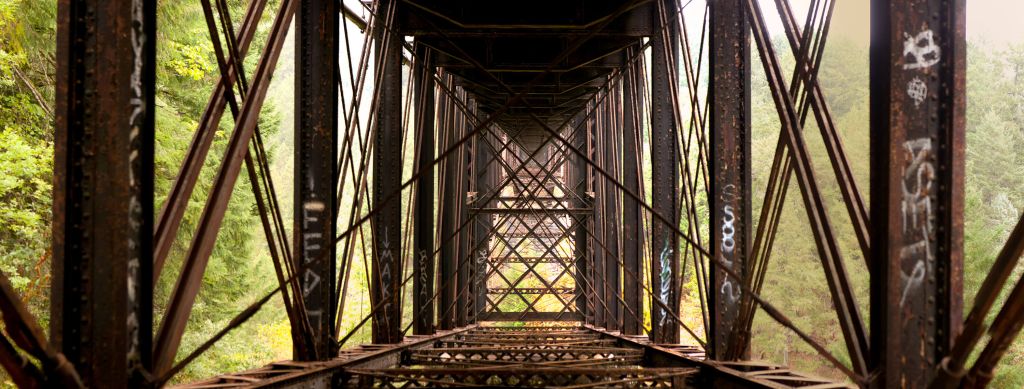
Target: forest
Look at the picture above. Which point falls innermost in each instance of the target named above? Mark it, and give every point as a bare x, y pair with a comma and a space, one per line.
240, 270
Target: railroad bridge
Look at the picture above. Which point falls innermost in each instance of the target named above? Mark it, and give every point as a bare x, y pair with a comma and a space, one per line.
527, 182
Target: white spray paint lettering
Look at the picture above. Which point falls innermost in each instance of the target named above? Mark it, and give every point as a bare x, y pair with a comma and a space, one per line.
921, 48
424, 293
916, 210
728, 247
481, 263
666, 280
919, 53
138, 106
385, 270
917, 90
311, 214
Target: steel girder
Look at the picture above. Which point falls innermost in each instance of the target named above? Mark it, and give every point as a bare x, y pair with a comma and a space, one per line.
423, 242
101, 296
665, 277
730, 161
632, 216
387, 167
316, 145
918, 65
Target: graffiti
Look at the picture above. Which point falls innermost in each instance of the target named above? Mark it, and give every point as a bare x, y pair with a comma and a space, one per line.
914, 281
728, 232
917, 90
916, 211
481, 265
666, 280
731, 293
728, 290
385, 270
310, 244
920, 51
135, 121
423, 260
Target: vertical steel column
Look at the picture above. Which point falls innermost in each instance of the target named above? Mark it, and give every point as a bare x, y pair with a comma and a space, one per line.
596, 129
448, 215
423, 240
101, 296
464, 258
611, 219
730, 204
387, 181
316, 134
588, 184
578, 182
665, 277
918, 62
484, 221
632, 222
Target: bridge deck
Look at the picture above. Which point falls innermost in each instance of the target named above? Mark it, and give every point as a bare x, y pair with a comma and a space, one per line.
500, 355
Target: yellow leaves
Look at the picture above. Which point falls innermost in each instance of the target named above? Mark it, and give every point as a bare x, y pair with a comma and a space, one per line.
189, 60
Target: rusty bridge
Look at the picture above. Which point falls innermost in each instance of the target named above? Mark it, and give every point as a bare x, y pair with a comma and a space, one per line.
527, 183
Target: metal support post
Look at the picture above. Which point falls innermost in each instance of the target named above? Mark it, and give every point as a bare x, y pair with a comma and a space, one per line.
596, 130
484, 222
665, 277
730, 204
448, 215
611, 220
423, 240
464, 258
632, 220
918, 58
387, 180
578, 171
101, 296
316, 132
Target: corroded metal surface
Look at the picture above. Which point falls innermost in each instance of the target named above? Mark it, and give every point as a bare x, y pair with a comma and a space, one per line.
533, 133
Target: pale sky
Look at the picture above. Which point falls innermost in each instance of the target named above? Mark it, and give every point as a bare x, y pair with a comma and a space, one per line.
998, 22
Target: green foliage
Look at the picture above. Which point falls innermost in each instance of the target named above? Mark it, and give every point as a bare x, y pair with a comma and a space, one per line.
26, 152
240, 272
994, 199
239, 269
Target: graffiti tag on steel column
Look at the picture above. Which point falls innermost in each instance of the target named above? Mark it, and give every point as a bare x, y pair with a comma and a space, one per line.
665, 289
312, 245
136, 120
730, 291
915, 74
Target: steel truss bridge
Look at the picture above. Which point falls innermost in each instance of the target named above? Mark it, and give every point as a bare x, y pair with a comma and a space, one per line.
508, 184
